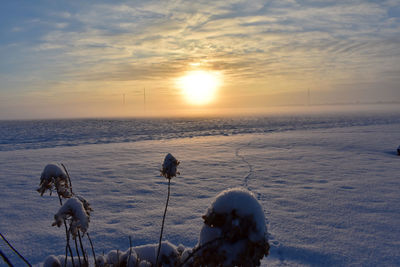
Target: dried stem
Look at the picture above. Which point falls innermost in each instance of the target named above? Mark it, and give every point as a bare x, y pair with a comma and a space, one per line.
130, 250
77, 252
118, 257
83, 251
69, 178
16, 252
200, 248
5, 259
163, 220
91, 245
67, 246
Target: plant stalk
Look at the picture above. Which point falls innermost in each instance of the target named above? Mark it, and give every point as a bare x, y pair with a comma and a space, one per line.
200, 248
77, 252
15, 251
83, 251
5, 259
91, 244
163, 220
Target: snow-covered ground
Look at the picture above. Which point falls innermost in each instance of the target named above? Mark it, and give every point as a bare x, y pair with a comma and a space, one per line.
331, 196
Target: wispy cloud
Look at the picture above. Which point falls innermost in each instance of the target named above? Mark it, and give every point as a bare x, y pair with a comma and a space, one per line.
274, 44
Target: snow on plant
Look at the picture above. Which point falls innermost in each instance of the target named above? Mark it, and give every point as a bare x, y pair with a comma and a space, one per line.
54, 177
74, 210
129, 258
52, 261
61, 261
114, 257
85, 203
169, 166
142, 256
234, 231
101, 261
169, 170
169, 254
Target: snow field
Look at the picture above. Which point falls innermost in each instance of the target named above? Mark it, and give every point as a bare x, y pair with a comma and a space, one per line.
330, 197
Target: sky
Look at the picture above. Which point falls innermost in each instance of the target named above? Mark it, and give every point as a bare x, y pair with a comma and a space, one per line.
62, 59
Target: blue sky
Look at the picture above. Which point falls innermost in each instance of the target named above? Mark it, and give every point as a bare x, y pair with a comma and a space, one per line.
77, 58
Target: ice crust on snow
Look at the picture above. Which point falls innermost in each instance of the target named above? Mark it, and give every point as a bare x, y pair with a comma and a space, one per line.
73, 209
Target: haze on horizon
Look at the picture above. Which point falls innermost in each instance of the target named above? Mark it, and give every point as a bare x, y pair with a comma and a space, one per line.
79, 59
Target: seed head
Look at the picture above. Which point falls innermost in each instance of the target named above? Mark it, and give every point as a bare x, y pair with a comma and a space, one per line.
169, 167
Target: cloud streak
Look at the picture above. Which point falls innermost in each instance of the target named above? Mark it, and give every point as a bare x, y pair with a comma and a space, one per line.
275, 45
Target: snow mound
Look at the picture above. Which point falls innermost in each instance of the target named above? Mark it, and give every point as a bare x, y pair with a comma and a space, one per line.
142, 256
59, 261
234, 231
52, 261
169, 254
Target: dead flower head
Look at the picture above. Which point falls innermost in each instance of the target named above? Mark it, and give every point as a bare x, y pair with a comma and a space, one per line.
169, 167
54, 177
77, 212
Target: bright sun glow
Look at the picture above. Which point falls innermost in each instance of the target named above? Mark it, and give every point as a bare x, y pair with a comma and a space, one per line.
199, 87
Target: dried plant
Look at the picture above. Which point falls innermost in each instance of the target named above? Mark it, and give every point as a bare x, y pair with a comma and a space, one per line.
169, 166
54, 177
76, 213
76, 210
169, 170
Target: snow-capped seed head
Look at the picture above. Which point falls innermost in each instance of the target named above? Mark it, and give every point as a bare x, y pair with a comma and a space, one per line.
52, 261
73, 210
169, 167
129, 258
145, 263
114, 257
101, 261
54, 177
235, 224
85, 203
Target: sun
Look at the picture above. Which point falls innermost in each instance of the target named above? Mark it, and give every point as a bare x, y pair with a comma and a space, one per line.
199, 87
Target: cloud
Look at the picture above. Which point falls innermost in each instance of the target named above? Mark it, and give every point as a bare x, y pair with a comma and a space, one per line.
277, 45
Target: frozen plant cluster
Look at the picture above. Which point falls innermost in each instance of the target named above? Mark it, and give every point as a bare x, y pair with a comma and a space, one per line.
234, 231
233, 234
74, 214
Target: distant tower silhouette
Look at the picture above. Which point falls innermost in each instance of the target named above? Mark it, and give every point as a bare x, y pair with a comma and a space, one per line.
144, 99
308, 97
